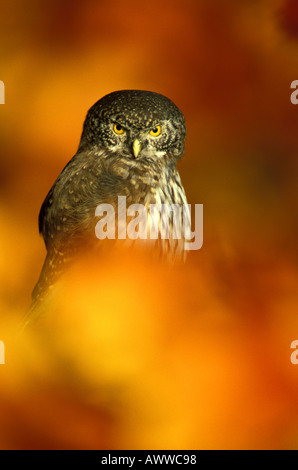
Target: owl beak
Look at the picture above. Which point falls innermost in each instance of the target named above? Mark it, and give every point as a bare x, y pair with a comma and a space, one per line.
136, 148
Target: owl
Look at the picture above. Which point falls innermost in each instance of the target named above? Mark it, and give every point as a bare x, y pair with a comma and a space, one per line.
130, 144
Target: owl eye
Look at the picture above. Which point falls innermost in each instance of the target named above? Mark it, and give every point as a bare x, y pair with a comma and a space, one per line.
155, 131
118, 129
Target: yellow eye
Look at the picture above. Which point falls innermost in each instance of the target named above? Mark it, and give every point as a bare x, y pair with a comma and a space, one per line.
118, 129
155, 131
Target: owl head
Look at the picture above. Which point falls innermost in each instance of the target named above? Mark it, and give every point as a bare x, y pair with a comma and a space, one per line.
136, 125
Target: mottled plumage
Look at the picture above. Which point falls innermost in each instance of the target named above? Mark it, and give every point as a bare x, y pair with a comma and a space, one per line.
130, 144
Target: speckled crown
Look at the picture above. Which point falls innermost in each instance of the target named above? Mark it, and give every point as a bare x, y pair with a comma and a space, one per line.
137, 108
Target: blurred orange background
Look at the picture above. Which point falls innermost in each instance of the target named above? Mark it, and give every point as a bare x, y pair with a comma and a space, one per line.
136, 355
